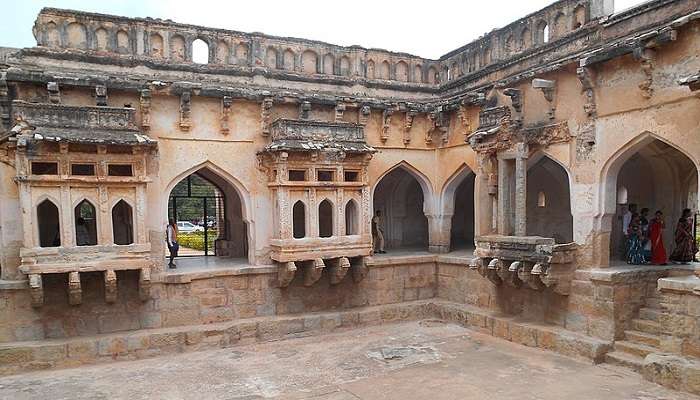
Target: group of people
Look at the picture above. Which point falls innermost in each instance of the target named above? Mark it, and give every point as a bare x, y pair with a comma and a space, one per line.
644, 243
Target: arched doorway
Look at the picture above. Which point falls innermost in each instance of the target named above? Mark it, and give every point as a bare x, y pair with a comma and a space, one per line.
458, 200
208, 211
549, 201
652, 175
399, 197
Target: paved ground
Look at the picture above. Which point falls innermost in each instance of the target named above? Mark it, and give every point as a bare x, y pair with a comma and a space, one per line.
426, 360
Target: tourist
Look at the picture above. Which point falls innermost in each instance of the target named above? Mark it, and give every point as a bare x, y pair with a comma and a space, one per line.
644, 223
685, 249
656, 239
635, 239
626, 219
377, 233
171, 239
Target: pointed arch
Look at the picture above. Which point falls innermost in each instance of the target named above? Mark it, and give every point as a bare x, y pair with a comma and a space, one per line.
422, 179
221, 178
122, 223
299, 220
200, 51
85, 223
457, 205
352, 218
48, 220
326, 218
101, 39
447, 194
547, 178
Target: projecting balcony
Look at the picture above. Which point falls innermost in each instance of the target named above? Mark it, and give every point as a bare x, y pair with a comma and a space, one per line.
535, 261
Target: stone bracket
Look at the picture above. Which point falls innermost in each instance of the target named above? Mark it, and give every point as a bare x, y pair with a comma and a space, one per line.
110, 286
185, 111
266, 115
4, 102
145, 104
408, 124
285, 273
36, 290
364, 115
305, 110
646, 58
338, 269
440, 123
313, 271
226, 103
339, 112
54, 92
549, 90
359, 270
145, 284
101, 95
75, 291
464, 119
386, 124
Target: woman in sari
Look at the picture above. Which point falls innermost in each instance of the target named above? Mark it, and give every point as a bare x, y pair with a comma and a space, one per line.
656, 233
635, 242
685, 242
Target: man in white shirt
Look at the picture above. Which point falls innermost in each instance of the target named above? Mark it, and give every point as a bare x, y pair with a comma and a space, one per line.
171, 240
627, 218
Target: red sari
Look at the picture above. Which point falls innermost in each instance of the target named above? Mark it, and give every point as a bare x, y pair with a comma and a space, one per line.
658, 251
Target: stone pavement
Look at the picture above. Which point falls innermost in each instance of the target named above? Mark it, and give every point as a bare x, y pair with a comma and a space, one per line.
411, 360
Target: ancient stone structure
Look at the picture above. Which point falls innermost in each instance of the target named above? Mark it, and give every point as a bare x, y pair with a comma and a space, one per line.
500, 171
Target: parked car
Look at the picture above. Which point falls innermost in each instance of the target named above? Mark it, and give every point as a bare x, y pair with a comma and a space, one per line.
188, 227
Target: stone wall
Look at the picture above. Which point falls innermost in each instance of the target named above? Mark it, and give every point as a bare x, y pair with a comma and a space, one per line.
202, 301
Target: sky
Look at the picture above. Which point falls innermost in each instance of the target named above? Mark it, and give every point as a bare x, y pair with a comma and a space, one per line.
423, 28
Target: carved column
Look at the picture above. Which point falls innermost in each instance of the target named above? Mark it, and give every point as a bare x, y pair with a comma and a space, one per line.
75, 292
110, 286
36, 290
521, 189
439, 232
145, 104
505, 175
145, 284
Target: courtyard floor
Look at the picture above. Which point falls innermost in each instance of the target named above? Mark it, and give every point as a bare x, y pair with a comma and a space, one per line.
413, 360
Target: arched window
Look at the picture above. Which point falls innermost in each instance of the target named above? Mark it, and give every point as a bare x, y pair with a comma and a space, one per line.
325, 219
299, 220
101, 39
49, 225
288, 60
222, 52
541, 200
177, 48
351, 218
543, 32
122, 42
85, 224
370, 69
77, 35
418, 74
122, 223
345, 67
53, 38
156, 45
308, 62
271, 57
579, 16
200, 52
328, 63
402, 71
242, 54
384, 70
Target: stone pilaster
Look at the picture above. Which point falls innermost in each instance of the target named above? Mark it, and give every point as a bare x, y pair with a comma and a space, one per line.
521, 190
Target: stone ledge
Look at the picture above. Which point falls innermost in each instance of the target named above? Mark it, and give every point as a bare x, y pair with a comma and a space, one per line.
189, 276
13, 285
625, 273
685, 284
672, 371
401, 260
20, 357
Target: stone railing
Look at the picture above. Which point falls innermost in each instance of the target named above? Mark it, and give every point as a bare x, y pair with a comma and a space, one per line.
317, 131
64, 116
533, 261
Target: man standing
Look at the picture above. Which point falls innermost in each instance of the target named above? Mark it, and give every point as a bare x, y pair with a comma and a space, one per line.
377, 233
626, 220
171, 239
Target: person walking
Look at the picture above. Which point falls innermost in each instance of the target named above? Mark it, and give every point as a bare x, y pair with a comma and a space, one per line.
685, 249
656, 238
377, 233
171, 239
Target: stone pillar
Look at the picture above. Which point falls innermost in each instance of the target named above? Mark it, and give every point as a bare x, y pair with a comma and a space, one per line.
439, 233
505, 172
521, 190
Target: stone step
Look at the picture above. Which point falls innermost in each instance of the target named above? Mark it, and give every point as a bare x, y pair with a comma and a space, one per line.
625, 359
651, 314
638, 349
646, 326
643, 338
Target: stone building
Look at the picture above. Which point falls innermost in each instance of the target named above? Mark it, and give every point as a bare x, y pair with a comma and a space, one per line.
500, 169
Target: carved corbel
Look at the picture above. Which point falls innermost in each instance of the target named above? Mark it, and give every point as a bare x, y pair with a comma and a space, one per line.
364, 115
304, 110
339, 112
339, 269
464, 119
510, 275
4, 102
313, 271
54, 92
587, 78
646, 59
386, 124
266, 115
440, 123
516, 102
226, 103
145, 104
491, 272
285, 273
525, 275
408, 124
145, 284
101, 95
549, 90
185, 111
359, 270
75, 292
110, 286
36, 290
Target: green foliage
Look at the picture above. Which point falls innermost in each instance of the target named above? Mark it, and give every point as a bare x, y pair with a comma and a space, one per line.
195, 240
